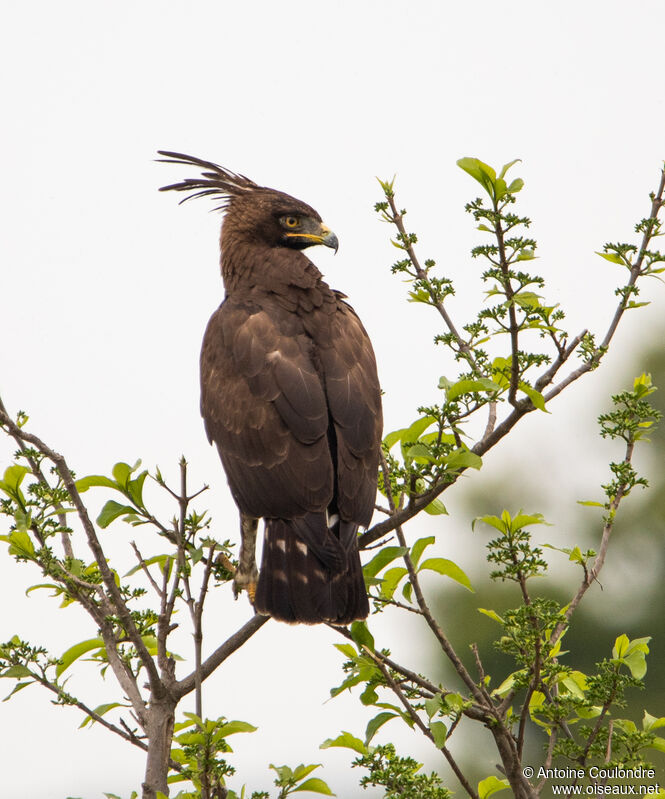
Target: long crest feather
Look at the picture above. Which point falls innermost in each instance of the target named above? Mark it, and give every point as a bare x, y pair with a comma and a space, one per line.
215, 180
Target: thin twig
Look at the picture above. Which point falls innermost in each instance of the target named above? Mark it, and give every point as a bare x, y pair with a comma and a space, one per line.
420, 723
591, 574
241, 636
512, 315
420, 599
96, 548
125, 733
398, 220
145, 569
549, 756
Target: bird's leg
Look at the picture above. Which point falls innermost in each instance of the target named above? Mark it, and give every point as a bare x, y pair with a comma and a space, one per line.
247, 575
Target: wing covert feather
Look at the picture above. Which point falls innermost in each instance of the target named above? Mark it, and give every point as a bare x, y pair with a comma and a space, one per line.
265, 408
354, 400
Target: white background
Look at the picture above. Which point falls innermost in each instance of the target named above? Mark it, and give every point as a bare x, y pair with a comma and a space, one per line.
106, 286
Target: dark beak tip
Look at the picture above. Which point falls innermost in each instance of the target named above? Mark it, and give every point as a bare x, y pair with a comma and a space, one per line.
332, 242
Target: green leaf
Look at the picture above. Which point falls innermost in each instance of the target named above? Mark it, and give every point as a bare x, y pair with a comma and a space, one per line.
11, 482
161, 559
463, 459
314, 785
650, 723
500, 189
369, 696
346, 649
658, 744
492, 614
492, 521
347, 741
480, 171
100, 710
361, 635
122, 472
16, 671
391, 580
643, 385
150, 642
507, 166
418, 548
18, 687
392, 438
455, 702
349, 682
526, 520
414, 432
507, 684
439, 733
535, 396
527, 299
376, 723
626, 725
13, 476
23, 520
111, 511
575, 683
436, 508
621, 645
418, 452
232, 727
491, 785
382, 558
20, 544
537, 701
471, 387
76, 651
612, 257
588, 712
433, 705
632, 654
301, 771
448, 569
135, 489
637, 664
526, 254
95, 480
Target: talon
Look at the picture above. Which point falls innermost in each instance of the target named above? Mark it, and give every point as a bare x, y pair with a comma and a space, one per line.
245, 582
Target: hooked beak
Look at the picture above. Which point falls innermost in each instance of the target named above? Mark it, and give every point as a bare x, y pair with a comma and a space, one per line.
321, 234
328, 238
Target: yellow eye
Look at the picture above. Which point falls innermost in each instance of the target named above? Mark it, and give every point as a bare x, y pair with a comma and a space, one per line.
291, 221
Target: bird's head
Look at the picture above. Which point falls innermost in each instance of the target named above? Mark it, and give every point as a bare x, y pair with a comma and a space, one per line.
257, 213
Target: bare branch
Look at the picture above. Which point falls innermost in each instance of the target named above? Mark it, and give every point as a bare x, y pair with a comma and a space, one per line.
420, 599
420, 723
187, 684
145, 569
398, 220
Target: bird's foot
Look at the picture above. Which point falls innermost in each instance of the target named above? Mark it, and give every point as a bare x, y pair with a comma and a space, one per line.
245, 581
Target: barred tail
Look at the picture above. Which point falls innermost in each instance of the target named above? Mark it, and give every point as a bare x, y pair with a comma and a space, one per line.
298, 586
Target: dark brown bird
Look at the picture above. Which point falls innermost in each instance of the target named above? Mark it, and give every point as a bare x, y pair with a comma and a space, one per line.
291, 398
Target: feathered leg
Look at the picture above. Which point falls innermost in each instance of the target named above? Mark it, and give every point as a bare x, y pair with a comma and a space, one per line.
246, 576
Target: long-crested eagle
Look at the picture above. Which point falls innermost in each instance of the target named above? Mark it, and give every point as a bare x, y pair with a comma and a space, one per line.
290, 396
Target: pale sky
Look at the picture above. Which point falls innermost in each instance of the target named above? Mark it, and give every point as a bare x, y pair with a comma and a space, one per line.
106, 285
